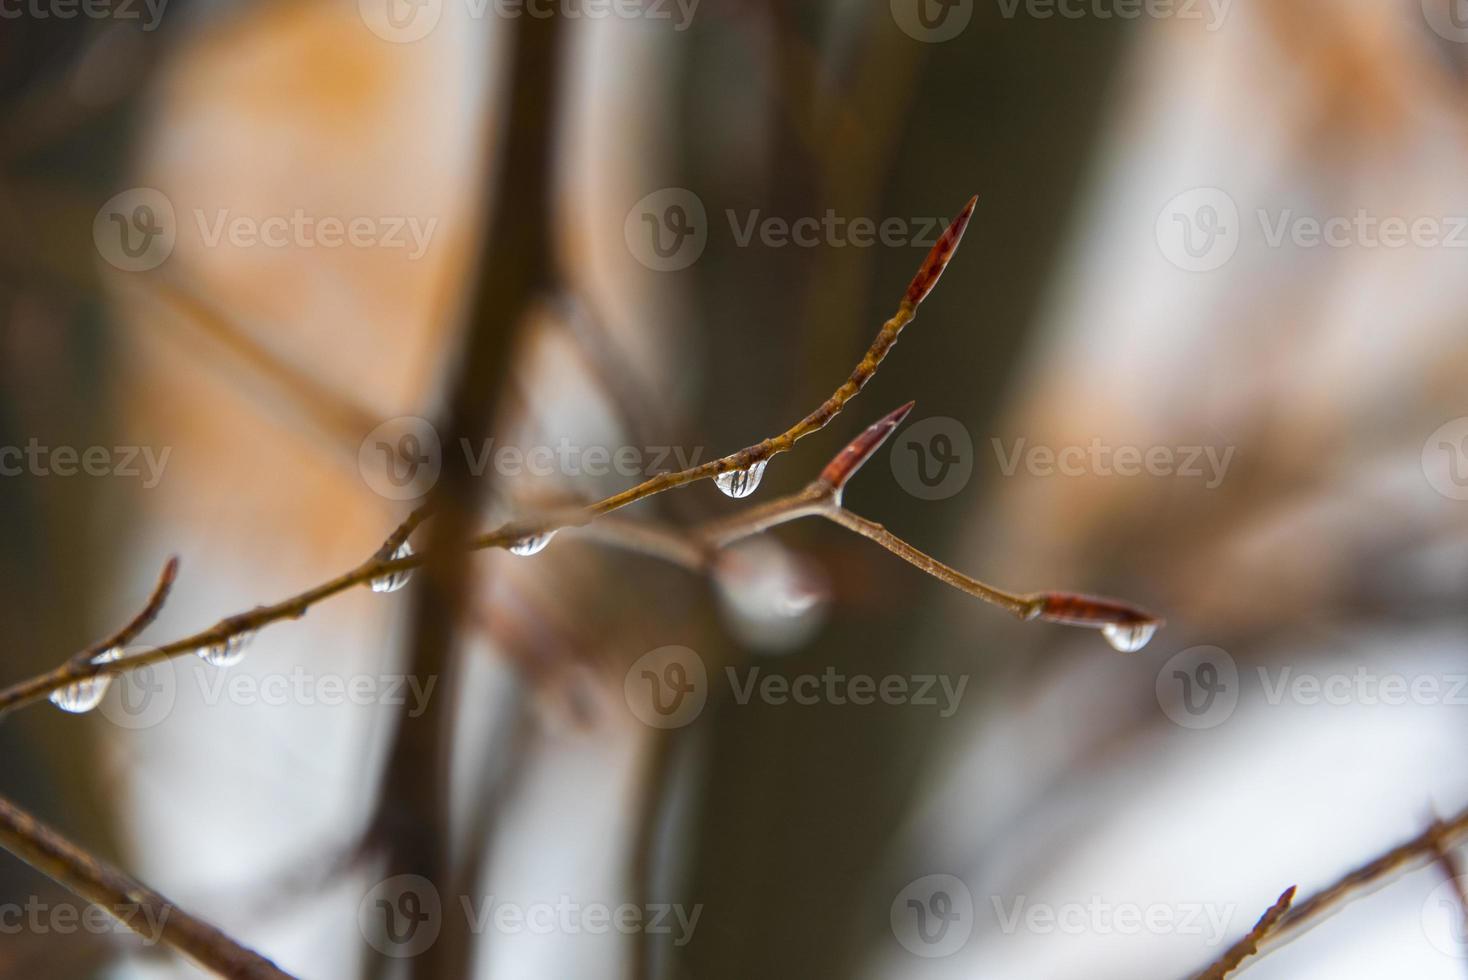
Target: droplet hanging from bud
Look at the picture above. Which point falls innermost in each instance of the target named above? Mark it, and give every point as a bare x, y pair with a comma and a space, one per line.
743, 482
84, 695
1129, 638
1126, 627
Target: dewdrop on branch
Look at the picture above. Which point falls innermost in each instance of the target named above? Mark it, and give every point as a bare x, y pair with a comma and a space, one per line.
1124, 626
226, 653
531, 544
741, 482
84, 695
393, 581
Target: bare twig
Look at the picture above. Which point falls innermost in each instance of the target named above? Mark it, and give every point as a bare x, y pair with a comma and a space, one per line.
1249, 945
1427, 845
135, 905
35, 688
141, 621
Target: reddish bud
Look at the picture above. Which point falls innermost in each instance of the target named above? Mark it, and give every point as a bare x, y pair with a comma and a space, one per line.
1126, 627
938, 256
844, 464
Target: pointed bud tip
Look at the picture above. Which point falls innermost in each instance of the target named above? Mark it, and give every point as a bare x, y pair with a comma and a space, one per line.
843, 465
937, 259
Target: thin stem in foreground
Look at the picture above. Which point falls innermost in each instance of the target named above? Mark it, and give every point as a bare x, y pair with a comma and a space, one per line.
136, 906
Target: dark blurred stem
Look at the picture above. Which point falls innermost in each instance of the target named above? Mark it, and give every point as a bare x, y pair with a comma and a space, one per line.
136, 906
412, 820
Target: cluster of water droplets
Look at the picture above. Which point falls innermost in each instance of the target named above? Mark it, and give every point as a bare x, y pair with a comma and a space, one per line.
393, 581
85, 695
531, 544
226, 653
1129, 637
741, 483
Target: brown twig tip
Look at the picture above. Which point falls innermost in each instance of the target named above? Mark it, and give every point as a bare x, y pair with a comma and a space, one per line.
927, 277
1249, 945
142, 620
1126, 627
843, 465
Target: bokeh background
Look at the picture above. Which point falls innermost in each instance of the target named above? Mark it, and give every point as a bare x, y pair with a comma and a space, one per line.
1228, 236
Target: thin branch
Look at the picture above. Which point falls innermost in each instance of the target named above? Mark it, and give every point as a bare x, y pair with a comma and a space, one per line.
1249, 945
1427, 845
142, 620
135, 905
35, 688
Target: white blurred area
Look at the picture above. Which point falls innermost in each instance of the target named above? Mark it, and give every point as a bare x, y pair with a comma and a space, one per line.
1326, 548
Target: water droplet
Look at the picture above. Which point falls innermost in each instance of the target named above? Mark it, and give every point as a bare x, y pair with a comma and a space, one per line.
741, 483
1129, 637
532, 544
228, 653
393, 581
84, 695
